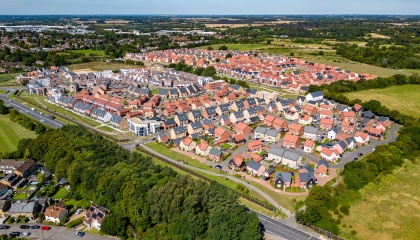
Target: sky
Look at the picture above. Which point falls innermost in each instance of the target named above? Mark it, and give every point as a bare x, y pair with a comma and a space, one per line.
209, 7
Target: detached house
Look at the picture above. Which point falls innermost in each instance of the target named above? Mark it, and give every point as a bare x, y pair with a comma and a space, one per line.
348, 116
361, 138
55, 214
305, 119
209, 112
282, 180
195, 128
187, 144
238, 139
195, 116
348, 127
221, 133
215, 155
309, 146
291, 115
322, 167
178, 132
280, 125
237, 117
290, 141
203, 149
295, 129
326, 123
237, 163
331, 155
255, 146
243, 128
310, 132
272, 136
181, 119
291, 159
255, 168
94, 216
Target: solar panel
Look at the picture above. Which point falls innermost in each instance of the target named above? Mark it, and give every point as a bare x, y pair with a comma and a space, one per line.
100, 215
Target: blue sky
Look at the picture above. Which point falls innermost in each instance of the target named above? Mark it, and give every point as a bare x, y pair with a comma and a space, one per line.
216, 7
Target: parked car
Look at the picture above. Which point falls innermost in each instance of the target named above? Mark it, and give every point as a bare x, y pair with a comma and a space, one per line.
14, 234
355, 159
4, 227
25, 234
360, 154
25, 227
218, 167
35, 227
78, 211
80, 234
45, 228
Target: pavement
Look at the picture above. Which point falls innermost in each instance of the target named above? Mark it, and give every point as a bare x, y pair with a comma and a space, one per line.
55, 233
30, 113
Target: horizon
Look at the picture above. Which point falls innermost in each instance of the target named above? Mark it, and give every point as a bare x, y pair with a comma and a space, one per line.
216, 7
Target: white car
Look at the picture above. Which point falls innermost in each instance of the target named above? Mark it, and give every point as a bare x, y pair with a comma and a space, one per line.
25, 234
78, 211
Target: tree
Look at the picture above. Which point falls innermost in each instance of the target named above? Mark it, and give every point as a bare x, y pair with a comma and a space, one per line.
217, 60
268, 41
223, 48
321, 53
209, 71
24, 82
114, 224
3, 109
41, 178
292, 54
228, 55
209, 48
39, 128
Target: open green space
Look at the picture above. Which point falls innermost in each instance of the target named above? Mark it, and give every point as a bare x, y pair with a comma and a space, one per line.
281, 92
404, 99
8, 76
99, 66
106, 128
90, 51
388, 209
61, 193
20, 196
11, 133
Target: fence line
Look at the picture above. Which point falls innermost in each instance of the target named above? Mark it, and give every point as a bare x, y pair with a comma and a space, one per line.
253, 200
323, 232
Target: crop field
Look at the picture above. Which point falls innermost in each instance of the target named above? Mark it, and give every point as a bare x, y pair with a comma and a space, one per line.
402, 98
388, 209
11, 133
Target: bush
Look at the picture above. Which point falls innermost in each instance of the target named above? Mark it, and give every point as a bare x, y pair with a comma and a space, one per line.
75, 223
353, 232
345, 210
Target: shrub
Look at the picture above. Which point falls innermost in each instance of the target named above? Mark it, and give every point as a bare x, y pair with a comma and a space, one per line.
345, 210
353, 232
75, 223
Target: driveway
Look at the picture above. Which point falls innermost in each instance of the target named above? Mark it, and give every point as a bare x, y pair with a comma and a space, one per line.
55, 233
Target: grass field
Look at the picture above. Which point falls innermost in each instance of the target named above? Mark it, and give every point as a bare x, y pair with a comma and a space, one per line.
11, 133
389, 208
90, 51
99, 66
402, 98
20, 196
8, 76
106, 128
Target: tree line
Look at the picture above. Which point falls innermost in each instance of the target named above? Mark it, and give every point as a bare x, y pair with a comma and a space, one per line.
149, 200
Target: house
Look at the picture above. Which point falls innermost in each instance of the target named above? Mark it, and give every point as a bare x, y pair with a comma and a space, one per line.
222, 109
290, 141
368, 114
268, 120
118, 122
181, 119
309, 146
26, 169
350, 142
238, 139
195, 116
361, 138
357, 108
291, 159
326, 123
331, 155
169, 124
272, 136
94, 216
221, 133
209, 112
348, 116
225, 120
348, 127
291, 115
322, 167
305, 180
280, 125
275, 154
215, 155
259, 132
282, 180
325, 114
55, 214
236, 117
315, 96
243, 128
178, 132
310, 132
308, 168
268, 173
309, 110
255, 146
203, 149
9, 165
340, 146
295, 129
238, 106
305, 119
187, 144
195, 127
5, 208
249, 113
29, 209
385, 121
374, 133
332, 133
237, 163
255, 168
162, 137
207, 124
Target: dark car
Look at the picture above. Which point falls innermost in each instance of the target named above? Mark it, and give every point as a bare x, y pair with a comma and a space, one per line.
218, 167
25, 227
14, 234
355, 159
360, 154
35, 227
4, 227
80, 234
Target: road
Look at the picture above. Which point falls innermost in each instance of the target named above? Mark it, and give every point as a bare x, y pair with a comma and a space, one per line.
392, 137
33, 114
55, 233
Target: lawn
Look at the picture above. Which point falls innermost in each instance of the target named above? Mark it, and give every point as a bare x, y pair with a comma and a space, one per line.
20, 196
155, 91
388, 209
90, 51
11, 133
106, 128
8, 76
99, 66
402, 98
62, 192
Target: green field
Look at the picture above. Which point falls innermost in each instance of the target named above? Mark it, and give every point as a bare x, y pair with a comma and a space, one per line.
20, 196
11, 133
388, 209
8, 76
90, 51
62, 192
405, 98
99, 66
309, 52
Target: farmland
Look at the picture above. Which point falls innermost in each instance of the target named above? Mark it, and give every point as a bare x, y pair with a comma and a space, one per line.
388, 208
402, 98
11, 133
